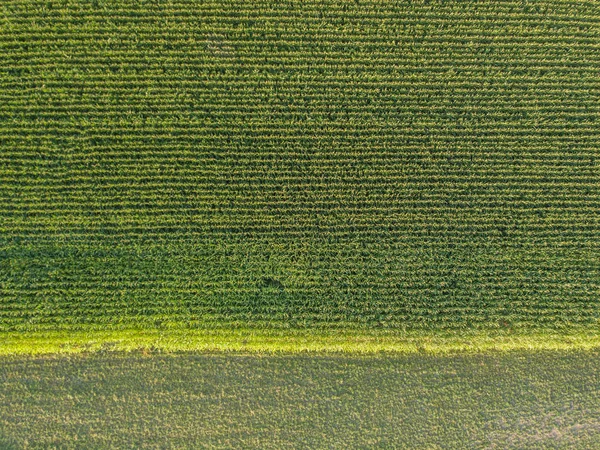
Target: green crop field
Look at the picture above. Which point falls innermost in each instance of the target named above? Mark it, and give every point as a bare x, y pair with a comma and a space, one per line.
374, 168
512, 400
299, 224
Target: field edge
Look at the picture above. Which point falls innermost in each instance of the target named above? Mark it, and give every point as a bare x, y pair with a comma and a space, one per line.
292, 341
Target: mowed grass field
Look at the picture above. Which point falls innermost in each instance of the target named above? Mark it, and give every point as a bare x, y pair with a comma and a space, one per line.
512, 400
375, 168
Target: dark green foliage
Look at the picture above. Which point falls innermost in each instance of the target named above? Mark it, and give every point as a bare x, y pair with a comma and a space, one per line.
377, 164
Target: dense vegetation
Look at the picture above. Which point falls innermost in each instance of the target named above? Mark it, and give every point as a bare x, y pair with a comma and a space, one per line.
403, 165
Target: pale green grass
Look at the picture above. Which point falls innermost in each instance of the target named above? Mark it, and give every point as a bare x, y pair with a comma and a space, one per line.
293, 341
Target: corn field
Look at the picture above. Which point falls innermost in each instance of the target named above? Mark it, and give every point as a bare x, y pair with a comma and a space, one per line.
430, 165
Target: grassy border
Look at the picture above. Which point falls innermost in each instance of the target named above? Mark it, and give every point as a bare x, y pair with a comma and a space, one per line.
291, 341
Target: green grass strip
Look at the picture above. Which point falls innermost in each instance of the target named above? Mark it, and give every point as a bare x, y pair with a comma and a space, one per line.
292, 341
